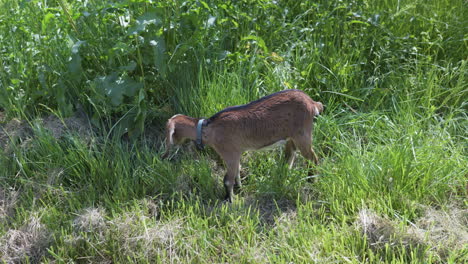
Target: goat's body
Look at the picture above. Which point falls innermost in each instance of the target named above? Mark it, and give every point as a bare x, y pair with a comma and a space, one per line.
261, 123
283, 116
279, 143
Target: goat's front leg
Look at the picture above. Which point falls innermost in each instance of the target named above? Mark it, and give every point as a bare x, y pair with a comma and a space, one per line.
232, 176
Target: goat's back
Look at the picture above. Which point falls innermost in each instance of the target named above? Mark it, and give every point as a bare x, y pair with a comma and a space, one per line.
265, 121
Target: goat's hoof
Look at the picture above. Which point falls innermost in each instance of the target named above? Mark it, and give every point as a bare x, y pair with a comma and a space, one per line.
228, 199
237, 187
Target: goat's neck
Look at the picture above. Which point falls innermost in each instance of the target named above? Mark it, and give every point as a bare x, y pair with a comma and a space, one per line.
190, 131
207, 135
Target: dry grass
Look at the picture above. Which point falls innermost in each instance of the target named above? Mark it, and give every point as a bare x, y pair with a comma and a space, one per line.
383, 234
2, 117
8, 199
443, 230
54, 175
438, 230
378, 230
90, 229
26, 244
151, 205
137, 235
91, 220
135, 232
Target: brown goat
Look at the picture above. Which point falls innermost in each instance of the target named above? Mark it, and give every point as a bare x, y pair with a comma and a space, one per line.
283, 116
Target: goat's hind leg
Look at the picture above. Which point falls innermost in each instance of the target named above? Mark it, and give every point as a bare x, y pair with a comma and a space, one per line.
290, 153
238, 183
304, 144
309, 154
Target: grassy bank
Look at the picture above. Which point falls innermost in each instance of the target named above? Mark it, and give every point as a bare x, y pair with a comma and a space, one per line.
88, 85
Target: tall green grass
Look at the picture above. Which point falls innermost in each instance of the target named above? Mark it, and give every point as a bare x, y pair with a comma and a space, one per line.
391, 183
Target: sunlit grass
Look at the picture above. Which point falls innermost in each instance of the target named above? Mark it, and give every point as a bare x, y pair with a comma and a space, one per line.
391, 183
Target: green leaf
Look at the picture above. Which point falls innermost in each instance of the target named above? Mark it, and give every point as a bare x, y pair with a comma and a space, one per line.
15, 81
77, 45
148, 18
205, 5
141, 96
345, 95
211, 21
132, 122
260, 42
359, 22
46, 21
115, 87
74, 65
159, 55
129, 67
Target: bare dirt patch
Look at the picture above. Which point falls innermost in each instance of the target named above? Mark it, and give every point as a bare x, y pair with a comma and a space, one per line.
271, 210
22, 131
78, 124
15, 129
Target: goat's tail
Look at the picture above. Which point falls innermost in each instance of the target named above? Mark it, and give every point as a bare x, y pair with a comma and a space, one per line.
317, 108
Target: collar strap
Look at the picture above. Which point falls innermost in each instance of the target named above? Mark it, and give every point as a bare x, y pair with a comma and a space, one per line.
199, 142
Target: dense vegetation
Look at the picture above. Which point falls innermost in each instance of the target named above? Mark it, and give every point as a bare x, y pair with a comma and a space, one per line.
86, 87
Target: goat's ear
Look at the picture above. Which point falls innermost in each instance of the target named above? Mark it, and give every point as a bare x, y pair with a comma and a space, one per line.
318, 108
170, 132
170, 129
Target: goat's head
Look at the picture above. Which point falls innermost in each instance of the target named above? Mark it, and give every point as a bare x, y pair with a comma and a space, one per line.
179, 128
